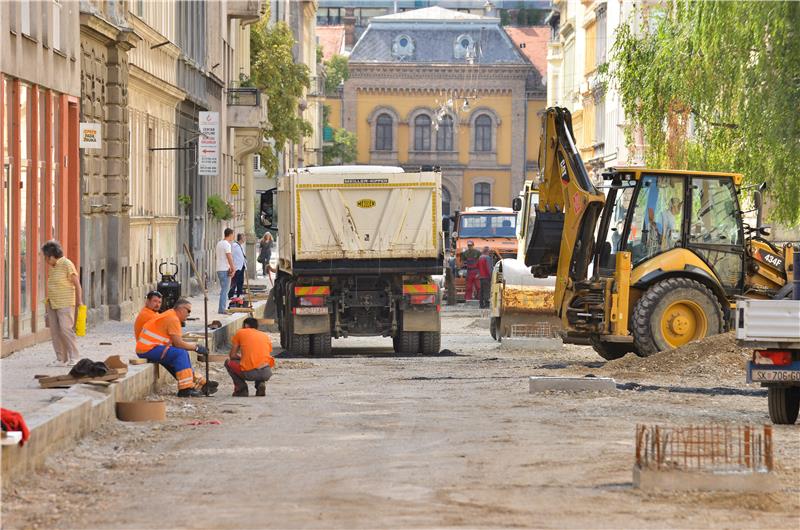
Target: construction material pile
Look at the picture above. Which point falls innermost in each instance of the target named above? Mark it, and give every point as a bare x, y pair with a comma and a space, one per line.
715, 358
527, 298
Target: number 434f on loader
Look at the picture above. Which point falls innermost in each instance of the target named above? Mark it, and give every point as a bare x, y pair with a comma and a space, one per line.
668, 250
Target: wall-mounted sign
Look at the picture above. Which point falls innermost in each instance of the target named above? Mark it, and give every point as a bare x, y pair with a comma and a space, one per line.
208, 144
90, 136
234, 189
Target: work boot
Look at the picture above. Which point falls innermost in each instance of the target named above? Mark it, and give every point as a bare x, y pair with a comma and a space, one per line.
212, 384
189, 392
242, 392
209, 388
261, 388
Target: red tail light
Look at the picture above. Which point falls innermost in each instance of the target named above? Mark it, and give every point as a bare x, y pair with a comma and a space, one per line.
311, 301
422, 299
773, 357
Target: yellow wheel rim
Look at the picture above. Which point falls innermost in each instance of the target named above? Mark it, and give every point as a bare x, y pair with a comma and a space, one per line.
682, 322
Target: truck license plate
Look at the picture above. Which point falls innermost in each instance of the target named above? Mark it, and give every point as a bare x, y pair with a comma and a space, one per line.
311, 311
774, 376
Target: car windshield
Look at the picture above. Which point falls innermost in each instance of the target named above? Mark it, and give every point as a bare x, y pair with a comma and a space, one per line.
475, 225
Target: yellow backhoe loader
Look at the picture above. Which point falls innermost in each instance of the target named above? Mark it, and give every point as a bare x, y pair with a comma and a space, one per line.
652, 265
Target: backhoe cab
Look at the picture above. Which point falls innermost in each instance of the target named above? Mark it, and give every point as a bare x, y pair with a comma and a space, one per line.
667, 250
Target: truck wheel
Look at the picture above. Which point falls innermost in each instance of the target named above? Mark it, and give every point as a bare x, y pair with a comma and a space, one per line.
300, 344
674, 312
407, 342
610, 350
784, 404
430, 342
321, 344
494, 327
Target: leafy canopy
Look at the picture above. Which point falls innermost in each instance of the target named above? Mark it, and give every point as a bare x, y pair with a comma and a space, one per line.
715, 85
275, 73
336, 73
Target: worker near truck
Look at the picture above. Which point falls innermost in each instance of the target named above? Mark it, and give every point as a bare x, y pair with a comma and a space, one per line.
470, 259
161, 341
152, 304
250, 359
485, 265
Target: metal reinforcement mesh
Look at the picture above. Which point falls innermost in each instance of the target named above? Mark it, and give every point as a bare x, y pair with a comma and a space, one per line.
541, 330
718, 448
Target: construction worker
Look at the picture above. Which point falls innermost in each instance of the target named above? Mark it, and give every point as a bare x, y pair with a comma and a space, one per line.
470, 259
161, 341
485, 265
150, 311
250, 359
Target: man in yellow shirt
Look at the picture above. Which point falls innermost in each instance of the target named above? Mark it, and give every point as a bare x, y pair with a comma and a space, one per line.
250, 359
64, 296
150, 311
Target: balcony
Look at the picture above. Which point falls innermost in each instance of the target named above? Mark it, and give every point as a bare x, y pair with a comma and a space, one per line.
247, 11
246, 108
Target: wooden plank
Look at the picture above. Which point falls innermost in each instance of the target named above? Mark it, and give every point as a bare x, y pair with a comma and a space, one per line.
232, 310
67, 381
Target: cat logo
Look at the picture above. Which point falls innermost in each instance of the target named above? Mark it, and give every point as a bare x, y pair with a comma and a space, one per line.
365, 203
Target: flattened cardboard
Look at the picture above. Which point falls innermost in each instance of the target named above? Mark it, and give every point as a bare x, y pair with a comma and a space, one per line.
141, 411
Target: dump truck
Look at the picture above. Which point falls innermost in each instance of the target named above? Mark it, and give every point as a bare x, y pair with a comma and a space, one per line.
358, 246
657, 262
485, 226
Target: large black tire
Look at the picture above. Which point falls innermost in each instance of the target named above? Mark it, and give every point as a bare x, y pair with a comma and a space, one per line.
672, 313
321, 344
406, 342
610, 350
494, 327
430, 342
784, 404
300, 344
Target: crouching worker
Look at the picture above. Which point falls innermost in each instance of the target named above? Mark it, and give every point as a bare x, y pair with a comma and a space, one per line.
160, 341
250, 359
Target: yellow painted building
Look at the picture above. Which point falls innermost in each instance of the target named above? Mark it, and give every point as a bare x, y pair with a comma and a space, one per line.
435, 87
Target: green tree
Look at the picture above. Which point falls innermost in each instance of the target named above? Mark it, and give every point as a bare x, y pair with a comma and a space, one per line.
716, 86
342, 150
336, 73
276, 74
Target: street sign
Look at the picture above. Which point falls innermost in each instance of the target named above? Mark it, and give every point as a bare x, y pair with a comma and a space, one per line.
208, 144
91, 136
234, 189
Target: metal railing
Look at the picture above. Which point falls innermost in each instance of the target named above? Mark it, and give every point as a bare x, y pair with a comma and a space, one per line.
248, 96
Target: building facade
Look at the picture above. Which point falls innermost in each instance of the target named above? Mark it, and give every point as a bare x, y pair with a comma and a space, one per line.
40, 89
437, 87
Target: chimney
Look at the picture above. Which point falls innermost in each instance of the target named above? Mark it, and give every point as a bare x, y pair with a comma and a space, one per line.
349, 21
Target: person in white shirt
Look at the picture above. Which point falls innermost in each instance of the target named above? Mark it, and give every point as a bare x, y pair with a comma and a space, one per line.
225, 268
239, 264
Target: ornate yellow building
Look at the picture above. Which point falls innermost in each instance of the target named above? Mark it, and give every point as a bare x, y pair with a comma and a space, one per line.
444, 88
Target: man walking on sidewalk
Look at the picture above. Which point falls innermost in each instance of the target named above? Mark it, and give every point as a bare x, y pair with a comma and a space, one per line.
161, 341
64, 296
224, 268
239, 264
485, 266
250, 359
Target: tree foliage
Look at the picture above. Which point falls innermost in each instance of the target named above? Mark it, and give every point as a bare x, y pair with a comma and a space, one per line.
342, 150
336, 73
276, 74
716, 86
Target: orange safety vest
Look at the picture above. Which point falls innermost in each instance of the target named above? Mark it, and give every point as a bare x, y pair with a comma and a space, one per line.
154, 333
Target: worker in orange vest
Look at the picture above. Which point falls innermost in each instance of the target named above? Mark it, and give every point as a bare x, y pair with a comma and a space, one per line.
150, 311
161, 341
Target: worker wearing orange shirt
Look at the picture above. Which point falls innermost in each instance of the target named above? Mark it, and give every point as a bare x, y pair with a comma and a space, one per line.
161, 341
150, 311
250, 359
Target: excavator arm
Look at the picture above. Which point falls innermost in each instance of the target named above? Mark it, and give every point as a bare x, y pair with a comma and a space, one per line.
562, 238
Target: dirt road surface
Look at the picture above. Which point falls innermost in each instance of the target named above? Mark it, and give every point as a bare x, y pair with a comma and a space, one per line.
364, 439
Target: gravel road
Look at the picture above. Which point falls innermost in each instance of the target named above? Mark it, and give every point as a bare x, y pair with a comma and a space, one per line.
364, 439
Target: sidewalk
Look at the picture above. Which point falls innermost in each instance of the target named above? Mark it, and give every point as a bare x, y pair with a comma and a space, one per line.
56, 416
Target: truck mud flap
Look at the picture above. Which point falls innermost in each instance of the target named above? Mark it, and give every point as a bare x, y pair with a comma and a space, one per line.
425, 320
311, 324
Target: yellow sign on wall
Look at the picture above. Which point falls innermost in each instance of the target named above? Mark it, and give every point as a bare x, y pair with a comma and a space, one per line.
234, 189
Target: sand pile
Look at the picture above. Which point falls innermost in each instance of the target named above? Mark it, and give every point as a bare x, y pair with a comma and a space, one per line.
713, 358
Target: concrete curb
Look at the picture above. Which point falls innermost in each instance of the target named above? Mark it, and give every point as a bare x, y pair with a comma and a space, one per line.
85, 407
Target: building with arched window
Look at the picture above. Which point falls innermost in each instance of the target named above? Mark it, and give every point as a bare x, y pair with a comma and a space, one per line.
437, 87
